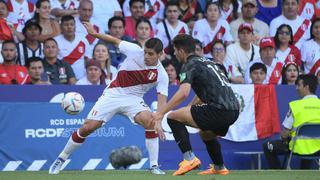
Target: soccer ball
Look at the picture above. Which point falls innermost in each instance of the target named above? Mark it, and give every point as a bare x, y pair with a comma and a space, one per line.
72, 103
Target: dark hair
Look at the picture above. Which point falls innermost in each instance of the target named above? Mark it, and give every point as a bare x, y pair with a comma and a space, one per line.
171, 3
8, 42
167, 62
308, 80
155, 44
143, 20
283, 1
38, 5
82, 1
235, 5
32, 59
198, 42
218, 42
50, 39
284, 69
212, 3
116, 18
184, 42
67, 18
30, 23
276, 37
257, 66
312, 25
2, 1
133, 1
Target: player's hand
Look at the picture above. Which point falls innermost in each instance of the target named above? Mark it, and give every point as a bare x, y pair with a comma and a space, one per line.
89, 28
159, 130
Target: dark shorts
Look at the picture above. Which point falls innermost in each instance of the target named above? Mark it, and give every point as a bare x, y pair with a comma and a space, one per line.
208, 117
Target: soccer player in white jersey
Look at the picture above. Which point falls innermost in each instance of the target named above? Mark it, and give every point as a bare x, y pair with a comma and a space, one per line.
140, 71
300, 26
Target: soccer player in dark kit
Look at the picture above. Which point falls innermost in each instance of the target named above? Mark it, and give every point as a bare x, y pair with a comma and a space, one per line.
213, 110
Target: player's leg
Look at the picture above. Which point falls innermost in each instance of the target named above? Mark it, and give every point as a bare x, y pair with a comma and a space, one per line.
214, 151
177, 121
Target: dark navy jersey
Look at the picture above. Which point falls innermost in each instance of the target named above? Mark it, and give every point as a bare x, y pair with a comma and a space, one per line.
209, 83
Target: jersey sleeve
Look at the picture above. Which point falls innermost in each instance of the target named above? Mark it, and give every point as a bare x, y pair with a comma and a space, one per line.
163, 83
132, 51
187, 73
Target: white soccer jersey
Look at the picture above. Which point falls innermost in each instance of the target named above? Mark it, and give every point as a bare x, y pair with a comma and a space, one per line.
300, 28
181, 28
152, 13
203, 32
69, 4
19, 14
310, 55
308, 10
273, 75
74, 53
134, 77
291, 54
81, 30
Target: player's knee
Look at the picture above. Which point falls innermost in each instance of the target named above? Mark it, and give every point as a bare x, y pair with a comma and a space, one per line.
88, 127
207, 135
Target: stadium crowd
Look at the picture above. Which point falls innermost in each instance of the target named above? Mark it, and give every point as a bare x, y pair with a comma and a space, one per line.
254, 41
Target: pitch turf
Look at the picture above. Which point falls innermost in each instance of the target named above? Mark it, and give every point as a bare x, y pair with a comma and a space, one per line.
145, 175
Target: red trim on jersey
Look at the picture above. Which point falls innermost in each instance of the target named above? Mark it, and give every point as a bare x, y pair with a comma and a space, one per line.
91, 38
229, 18
72, 5
293, 56
30, 7
76, 54
133, 78
76, 138
315, 67
276, 74
10, 6
300, 31
152, 12
151, 134
182, 31
5, 32
218, 36
190, 12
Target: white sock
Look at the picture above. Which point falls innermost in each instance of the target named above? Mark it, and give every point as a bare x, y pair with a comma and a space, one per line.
152, 145
70, 147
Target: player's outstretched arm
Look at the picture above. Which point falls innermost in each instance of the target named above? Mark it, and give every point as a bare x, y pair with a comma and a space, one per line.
104, 37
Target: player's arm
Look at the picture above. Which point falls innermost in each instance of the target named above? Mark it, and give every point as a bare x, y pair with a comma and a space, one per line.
195, 100
104, 37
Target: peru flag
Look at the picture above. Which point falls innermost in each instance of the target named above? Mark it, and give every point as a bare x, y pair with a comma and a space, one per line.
259, 116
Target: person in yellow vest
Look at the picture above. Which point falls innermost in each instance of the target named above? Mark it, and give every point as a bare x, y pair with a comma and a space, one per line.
301, 111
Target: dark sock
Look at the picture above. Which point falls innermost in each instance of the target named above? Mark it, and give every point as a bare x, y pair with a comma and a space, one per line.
214, 151
180, 134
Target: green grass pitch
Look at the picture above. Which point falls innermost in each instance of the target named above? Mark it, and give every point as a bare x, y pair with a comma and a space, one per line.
145, 175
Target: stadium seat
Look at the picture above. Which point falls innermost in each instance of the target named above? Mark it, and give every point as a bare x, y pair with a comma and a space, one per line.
306, 131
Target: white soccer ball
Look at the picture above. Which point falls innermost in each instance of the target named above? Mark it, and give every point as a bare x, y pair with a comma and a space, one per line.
72, 103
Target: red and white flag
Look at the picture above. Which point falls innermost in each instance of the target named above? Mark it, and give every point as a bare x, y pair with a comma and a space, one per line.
259, 115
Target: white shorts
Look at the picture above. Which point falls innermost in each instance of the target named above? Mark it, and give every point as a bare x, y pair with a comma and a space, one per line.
107, 106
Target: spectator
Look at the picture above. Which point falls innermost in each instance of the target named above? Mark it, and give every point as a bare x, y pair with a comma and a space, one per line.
285, 51
10, 72
190, 11
211, 28
31, 46
74, 48
301, 111
50, 27
249, 10
36, 71
219, 55
59, 71
64, 7
290, 72
101, 55
143, 31
199, 48
230, 9
318, 76
300, 26
20, 11
170, 27
137, 11
94, 76
103, 11
309, 9
85, 14
170, 68
258, 73
268, 10
153, 10
116, 29
310, 53
268, 58
241, 53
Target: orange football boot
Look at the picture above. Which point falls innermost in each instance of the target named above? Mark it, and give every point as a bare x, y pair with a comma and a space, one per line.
211, 170
186, 166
